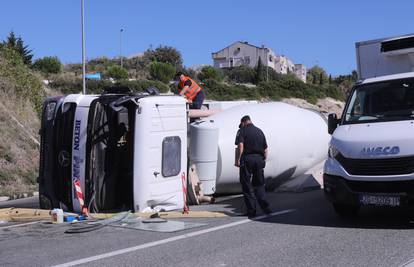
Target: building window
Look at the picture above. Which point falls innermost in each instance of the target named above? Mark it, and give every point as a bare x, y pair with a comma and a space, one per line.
171, 156
236, 51
246, 60
270, 58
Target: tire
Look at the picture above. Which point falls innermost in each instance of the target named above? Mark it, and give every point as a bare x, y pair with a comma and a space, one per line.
346, 210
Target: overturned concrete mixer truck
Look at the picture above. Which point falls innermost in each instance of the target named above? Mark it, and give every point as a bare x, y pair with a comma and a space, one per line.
294, 135
123, 151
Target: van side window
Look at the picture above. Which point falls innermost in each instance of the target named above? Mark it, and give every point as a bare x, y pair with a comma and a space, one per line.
171, 156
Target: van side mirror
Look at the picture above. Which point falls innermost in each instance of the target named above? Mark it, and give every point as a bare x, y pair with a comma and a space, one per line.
333, 122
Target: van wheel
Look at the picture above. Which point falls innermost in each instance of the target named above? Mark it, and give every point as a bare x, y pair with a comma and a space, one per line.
345, 210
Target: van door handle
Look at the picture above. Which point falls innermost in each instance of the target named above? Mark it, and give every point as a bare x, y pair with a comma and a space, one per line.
156, 173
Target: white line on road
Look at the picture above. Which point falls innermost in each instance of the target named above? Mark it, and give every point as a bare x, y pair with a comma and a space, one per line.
17, 225
168, 240
409, 263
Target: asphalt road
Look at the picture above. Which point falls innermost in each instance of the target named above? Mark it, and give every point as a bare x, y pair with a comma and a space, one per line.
309, 233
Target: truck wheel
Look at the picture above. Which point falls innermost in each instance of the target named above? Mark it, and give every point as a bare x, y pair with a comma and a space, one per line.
345, 210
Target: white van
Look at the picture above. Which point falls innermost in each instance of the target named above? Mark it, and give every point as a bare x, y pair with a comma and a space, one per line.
371, 153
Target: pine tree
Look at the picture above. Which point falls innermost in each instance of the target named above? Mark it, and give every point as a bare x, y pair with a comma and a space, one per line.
17, 44
24, 51
259, 71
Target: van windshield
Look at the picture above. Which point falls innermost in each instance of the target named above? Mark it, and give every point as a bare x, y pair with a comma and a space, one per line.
383, 101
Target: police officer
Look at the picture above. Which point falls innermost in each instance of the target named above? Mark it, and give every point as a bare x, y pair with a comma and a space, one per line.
252, 152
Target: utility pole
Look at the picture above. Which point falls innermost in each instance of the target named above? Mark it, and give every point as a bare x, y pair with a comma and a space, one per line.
83, 49
120, 45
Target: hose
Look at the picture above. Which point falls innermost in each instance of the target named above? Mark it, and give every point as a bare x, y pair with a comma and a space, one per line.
99, 224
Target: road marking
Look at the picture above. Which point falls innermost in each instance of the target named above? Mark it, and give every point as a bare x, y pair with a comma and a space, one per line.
18, 225
167, 240
409, 263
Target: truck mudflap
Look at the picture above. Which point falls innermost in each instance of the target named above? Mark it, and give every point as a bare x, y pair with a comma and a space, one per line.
368, 193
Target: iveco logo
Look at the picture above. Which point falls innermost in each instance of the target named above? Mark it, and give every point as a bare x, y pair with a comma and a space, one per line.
64, 158
377, 151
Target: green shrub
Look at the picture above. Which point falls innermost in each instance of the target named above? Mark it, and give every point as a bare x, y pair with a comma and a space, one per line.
221, 91
67, 83
242, 74
116, 72
287, 86
142, 85
335, 92
48, 65
97, 86
101, 64
27, 84
160, 71
164, 54
188, 72
208, 72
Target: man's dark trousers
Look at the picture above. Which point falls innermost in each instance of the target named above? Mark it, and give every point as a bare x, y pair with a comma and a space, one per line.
198, 100
253, 183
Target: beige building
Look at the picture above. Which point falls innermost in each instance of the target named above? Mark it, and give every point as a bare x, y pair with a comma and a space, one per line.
243, 53
300, 72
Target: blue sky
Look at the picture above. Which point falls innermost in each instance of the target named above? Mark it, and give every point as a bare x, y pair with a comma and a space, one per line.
313, 32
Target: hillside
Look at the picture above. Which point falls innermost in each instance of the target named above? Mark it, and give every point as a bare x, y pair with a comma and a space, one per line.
21, 92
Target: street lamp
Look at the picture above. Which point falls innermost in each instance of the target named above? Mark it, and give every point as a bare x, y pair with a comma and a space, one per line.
83, 49
120, 44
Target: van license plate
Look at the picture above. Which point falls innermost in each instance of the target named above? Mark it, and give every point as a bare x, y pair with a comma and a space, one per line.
392, 201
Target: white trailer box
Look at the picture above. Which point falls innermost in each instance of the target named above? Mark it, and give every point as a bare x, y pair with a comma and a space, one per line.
385, 56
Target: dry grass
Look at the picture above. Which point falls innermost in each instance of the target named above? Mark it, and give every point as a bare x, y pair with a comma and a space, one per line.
19, 154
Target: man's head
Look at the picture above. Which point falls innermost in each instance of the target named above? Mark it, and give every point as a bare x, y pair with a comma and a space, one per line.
178, 76
245, 120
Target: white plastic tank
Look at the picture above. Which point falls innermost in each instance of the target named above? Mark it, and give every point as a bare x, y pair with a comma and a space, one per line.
297, 140
204, 137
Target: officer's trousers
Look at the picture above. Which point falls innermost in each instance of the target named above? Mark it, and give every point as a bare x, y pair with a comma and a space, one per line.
253, 182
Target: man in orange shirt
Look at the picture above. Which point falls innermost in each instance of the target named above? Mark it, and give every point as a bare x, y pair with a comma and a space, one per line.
190, 90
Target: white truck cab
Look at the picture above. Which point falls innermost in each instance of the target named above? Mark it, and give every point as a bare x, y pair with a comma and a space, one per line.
126, 150
371, 152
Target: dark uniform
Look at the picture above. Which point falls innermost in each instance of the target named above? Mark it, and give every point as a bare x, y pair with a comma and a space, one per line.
252, 164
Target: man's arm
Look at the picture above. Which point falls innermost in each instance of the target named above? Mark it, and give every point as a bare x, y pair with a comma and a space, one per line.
266, 152
239, 152
184, 90
187, 85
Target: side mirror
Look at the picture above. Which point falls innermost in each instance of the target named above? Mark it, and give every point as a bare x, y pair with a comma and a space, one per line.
332, 123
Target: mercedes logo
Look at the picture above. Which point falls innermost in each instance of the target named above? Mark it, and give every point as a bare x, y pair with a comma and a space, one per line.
64, 158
